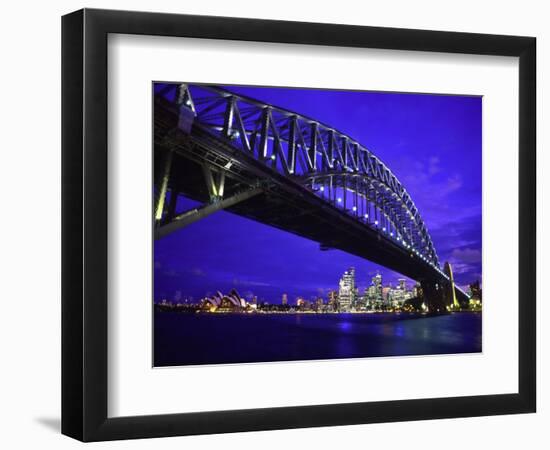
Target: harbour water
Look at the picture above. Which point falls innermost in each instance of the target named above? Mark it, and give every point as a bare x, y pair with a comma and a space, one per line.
192, 339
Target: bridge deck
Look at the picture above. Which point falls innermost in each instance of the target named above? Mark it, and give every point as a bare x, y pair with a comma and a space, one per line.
285, 204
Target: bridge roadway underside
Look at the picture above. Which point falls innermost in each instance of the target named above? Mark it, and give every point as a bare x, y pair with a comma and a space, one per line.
284, 203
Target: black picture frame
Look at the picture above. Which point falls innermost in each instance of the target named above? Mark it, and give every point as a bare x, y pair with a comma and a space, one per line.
84, 224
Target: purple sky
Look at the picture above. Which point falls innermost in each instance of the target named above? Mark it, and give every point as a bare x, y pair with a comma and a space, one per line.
432, 143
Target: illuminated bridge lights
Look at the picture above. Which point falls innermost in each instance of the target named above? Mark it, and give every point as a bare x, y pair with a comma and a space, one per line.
315, 154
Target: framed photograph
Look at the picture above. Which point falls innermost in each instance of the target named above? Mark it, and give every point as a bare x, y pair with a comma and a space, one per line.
273, 224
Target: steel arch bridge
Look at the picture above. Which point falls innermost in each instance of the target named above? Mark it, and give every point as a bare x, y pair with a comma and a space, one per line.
228, 134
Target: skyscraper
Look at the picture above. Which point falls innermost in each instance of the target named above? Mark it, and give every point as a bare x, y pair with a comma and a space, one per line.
333, 300
346, 291
475, 291
284, 300
377, 283
402, 284
386, 294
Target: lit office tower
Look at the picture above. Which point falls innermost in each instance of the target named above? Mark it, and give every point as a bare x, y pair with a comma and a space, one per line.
386, 294
346, 291
333, 300
284, 301
402, 284
377, 283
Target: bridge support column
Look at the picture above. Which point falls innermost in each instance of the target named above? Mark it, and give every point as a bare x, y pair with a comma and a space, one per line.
451, 292
215, 189
163, 187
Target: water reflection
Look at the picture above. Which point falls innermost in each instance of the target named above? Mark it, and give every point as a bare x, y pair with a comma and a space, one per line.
182, 339
345, 326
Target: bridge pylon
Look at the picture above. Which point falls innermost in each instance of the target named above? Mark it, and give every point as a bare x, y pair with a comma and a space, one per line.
450, 291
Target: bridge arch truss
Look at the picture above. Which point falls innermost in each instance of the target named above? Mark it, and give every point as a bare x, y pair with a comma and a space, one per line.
331, 164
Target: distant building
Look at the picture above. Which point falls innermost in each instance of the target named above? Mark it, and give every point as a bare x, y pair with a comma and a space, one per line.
220, 302
475, 290
475, 295
377, 288
346, 290
400, 294
333, 300
284, 300
386, 297
417, 290
371, 293
402, 284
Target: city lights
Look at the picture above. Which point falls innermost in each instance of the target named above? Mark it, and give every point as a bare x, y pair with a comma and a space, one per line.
343, 237
348, 297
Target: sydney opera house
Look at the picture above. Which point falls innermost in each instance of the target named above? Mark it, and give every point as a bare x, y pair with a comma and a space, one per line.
225, 303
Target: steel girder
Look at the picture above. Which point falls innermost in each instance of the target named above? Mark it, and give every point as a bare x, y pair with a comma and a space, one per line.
333, 165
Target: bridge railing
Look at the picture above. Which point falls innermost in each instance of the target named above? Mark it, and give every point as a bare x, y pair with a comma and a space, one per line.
333, 165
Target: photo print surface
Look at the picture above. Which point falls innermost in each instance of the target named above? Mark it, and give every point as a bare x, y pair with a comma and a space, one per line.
297, 224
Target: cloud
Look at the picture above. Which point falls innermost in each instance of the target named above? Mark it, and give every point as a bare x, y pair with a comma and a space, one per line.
467, 255
241, 282
453, 183
460, 268
433, 165
172, 273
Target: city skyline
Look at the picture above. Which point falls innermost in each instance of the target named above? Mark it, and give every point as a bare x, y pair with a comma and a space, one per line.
347, 292
432, 143
286, 298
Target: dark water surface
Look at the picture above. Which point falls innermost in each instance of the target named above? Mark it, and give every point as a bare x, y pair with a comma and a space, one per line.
183, 339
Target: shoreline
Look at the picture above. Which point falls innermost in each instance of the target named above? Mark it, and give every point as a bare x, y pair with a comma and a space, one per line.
295, 312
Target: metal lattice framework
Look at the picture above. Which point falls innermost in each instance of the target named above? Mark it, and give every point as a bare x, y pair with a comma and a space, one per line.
331, 164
